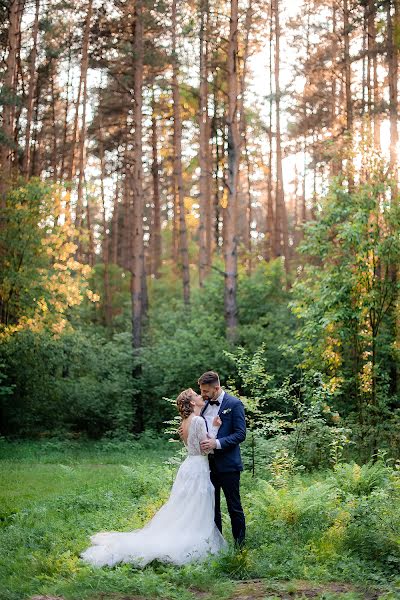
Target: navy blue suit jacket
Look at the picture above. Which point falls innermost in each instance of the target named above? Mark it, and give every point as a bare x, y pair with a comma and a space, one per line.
230, 434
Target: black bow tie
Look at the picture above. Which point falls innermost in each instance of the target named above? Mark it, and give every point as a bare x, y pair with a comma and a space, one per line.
214, 402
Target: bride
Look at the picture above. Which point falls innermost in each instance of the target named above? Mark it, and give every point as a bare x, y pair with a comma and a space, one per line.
183, 529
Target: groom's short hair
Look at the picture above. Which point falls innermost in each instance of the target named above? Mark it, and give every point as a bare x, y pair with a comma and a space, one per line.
209, 378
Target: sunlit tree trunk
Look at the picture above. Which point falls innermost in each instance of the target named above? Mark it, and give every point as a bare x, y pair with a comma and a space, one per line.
281, 228
9, 90
204, 150
372, 73
31, 93
347, 85
243, 132
393, 25
183, 243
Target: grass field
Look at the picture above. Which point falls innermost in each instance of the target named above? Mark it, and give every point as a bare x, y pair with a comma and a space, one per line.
321, 528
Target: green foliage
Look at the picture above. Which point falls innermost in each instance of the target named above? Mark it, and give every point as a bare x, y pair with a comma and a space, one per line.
265, 320
346, 300
40, 278
73, 382
302, 431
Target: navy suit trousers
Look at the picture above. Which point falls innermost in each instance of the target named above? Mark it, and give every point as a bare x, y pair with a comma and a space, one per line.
229, 483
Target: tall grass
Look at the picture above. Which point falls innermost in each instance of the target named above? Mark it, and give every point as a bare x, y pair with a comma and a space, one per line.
341, 524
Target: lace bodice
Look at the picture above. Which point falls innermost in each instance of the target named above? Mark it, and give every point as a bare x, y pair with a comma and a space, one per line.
197, 432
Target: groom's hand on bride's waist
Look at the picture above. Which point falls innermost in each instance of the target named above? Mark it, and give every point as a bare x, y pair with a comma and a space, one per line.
207, 445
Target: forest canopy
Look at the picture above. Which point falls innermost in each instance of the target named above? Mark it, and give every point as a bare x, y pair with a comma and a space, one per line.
202, 185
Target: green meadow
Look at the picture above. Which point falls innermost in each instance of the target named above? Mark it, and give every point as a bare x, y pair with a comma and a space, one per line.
340, 525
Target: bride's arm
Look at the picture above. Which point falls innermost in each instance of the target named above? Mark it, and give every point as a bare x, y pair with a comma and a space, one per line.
202, 434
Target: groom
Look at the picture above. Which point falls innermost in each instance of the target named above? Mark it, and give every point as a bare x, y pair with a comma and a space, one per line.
225, 460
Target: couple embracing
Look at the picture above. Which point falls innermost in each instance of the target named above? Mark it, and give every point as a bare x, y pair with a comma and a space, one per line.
188, 526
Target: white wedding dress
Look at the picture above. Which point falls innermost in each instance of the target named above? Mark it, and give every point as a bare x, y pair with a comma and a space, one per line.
181, 531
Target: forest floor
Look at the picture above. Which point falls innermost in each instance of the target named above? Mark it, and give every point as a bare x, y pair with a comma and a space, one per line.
53, 495
261, 589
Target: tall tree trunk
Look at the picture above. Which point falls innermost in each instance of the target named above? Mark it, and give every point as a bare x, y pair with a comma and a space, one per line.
36, 166
53, 124
137, 184
31, 93
115, 237
243, 130
347, 78
89, 223
347, 67
230, 213
372, 78
82, 138
156, 228
204, 150
216, 195
282, 246
106, 236
183, 243
270, 242
9, 90
66, 112
392, 58
336, 165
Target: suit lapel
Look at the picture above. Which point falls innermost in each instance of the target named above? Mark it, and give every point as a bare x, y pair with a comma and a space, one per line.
223, 403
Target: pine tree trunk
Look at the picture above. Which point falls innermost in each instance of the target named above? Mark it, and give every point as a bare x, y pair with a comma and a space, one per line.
10, 88
347, 84
65, 127
156, 225
82, 138
243, 132
31, 93
347, 67
54, 127
372, 82
183, 244
230, 214
137, 183
280, 216
393, 25
204, 150
270, 242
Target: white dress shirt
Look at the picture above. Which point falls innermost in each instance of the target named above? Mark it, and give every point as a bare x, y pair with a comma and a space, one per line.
209, 414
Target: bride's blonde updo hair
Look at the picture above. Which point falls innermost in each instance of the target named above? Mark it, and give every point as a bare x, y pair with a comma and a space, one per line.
183, 403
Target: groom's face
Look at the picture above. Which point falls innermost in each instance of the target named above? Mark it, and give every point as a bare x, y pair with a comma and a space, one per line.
209, 392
